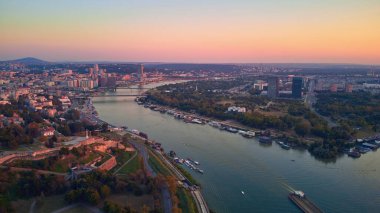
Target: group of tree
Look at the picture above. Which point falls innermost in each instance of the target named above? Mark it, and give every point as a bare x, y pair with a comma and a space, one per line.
201, 97
357, 109
27, 184
91, 188
110, 207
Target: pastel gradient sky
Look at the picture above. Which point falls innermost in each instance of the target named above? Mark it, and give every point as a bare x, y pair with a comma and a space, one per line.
304, 31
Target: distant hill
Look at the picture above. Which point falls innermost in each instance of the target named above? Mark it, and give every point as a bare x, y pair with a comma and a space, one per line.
27, 61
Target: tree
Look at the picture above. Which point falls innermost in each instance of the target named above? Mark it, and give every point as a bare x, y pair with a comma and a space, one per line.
49, 144
76, 127
33, 129
5, 204
105, 191
104, 127
64, 129
302, 128
71, 196
64, 151
92, 196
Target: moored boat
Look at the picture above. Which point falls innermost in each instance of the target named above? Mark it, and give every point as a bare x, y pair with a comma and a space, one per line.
354, 154
232, 130
265, 140
247, 134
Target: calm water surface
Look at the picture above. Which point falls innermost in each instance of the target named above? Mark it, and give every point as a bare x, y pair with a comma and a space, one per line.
266, 174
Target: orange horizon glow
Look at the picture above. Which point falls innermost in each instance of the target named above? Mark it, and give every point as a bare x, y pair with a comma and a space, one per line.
340, 32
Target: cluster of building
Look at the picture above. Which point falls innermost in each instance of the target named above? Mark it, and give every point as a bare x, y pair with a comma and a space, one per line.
14, 119
281, 87
236, 109
348, 84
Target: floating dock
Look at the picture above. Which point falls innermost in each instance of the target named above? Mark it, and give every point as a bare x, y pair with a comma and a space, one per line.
304, 203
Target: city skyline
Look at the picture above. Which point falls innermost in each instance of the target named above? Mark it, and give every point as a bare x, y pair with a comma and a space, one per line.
296, 31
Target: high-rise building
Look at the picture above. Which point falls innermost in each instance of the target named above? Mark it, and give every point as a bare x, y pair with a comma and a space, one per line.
91, 71
96, 68
297, 87
348, 88
333, 88
318, 85
273, 84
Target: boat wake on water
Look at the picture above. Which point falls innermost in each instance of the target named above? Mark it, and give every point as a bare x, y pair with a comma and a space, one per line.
287, 187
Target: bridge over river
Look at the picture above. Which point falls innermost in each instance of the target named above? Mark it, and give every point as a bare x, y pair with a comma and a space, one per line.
118, 95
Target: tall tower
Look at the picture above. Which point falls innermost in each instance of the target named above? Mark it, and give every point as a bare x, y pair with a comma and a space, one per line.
141, 71
273, 84
297, 87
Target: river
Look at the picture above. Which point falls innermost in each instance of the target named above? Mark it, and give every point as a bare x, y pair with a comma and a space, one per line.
233, 164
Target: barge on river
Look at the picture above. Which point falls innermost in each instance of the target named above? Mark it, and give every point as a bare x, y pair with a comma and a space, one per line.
299, 198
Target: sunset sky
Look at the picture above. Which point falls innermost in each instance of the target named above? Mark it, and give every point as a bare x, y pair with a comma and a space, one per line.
221, 31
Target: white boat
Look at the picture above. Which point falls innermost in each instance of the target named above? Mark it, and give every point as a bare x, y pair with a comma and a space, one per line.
242, 192
135, 131
214, 124
197, 121
247, 134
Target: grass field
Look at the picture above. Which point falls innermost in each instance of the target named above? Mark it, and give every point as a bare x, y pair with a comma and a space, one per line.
123, 157
186, 202
157, 166
131, 167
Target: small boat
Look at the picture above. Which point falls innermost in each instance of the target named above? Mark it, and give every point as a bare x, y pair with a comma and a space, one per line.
197, 121
200, 171
247, 134
354, 154
193, 161
242, 192
283, 145
232, 130
265, 140
364, 150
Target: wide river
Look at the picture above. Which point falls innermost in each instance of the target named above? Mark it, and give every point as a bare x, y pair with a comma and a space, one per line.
233, 164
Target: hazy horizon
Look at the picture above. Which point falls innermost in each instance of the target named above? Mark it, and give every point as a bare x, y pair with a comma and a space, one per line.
208, 31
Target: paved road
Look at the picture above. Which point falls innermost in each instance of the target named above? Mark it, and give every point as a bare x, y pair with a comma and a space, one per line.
144, 153
33, 206
66, 208
311, 99
201, 203
166, 199
165, 190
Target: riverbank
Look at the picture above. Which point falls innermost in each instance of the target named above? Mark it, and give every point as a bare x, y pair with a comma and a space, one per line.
151, 145
229, 126
355, 150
